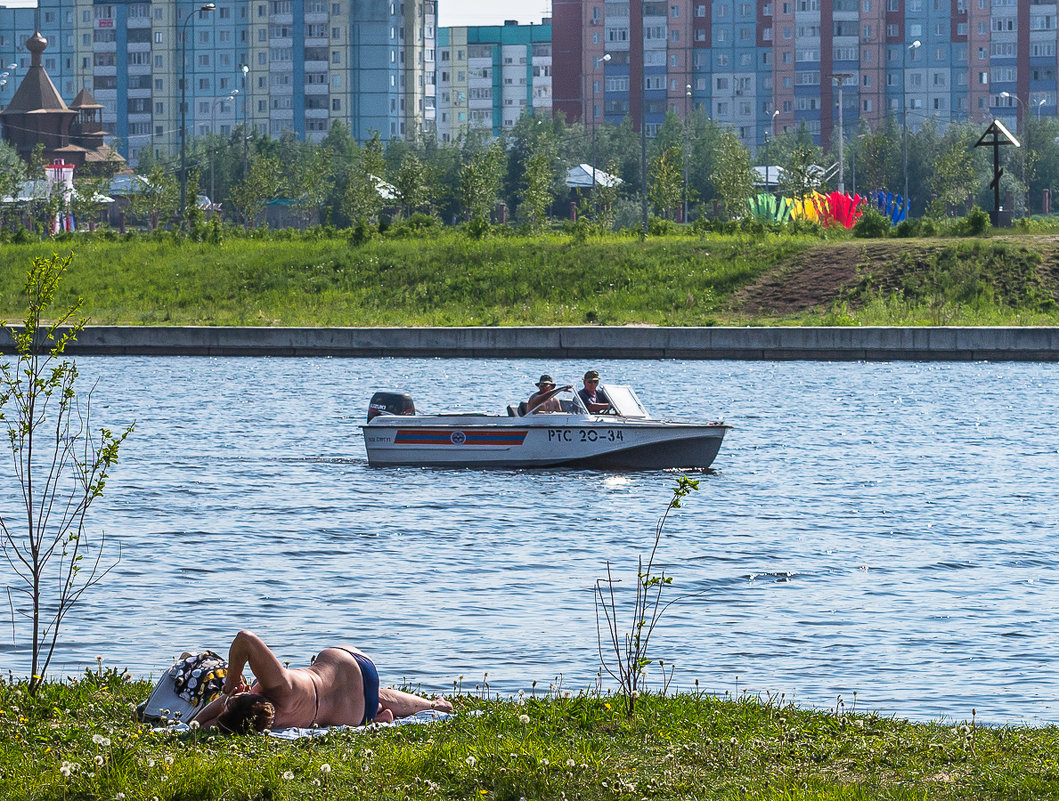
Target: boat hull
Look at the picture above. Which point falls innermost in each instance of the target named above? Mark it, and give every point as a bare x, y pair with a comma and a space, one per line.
551, 441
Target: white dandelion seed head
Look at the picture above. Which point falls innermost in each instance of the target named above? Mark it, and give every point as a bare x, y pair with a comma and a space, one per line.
570, 763
99, 760
325, 768
193, 725
471, 760
169, 759
567, 693
119, 797
97, 739
523, 719
316, 782
288, 775
65, 771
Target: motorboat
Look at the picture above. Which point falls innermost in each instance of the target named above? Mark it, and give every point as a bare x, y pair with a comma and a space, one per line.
624, 436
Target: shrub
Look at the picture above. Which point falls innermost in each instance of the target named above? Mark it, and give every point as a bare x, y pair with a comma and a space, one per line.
976, 223
871, 225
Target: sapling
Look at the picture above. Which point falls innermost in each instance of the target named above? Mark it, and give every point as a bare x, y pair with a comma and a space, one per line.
60, 467
625, 657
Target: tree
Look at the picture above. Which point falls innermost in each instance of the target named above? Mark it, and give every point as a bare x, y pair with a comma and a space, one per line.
307, 183
412, 184
536, 195
480, 182
666, 181
879, 162
953, 176
733, 176
158, 197
262, 184
362, 201
59, 464
802, 174
13, 173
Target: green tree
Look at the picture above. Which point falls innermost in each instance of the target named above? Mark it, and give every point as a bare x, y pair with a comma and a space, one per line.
536, 195
158, 197
13, 173
802, 174
953, 176
480, 182
879, 162
262, 184
362, 202
308, 182
413, 184
733, 176
667, 181
60, 465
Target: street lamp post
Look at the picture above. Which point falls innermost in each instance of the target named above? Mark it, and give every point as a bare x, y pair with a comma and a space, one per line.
246, 130
840, 78
213, 130
184, 109
687, 154
904, 119
596, 62
1038, 104
1025, 132
770, 134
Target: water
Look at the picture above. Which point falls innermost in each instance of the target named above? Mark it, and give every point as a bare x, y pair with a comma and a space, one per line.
880, 528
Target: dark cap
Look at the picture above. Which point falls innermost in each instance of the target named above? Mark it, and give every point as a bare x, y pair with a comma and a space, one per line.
545, 381
592, 375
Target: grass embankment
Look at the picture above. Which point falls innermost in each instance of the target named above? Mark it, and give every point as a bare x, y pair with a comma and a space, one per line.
78, 739
449, 279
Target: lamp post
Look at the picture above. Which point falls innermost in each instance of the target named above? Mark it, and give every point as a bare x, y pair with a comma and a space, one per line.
246, 130
687, 153
1026, 141
184, 109
213, 130
596, 62
770, 134
840, 78
1038, 104
904, 118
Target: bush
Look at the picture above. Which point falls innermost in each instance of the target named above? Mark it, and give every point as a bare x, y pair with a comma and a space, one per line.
906, 229
976, 223
871, 225
656, 226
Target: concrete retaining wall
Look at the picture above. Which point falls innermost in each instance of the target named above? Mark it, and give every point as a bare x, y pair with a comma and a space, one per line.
591, 342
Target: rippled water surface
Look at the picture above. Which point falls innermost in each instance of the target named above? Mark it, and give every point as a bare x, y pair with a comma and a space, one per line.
888, 529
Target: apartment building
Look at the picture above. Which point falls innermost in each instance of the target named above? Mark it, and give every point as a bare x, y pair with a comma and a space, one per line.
765, 67
490, 75
273, 65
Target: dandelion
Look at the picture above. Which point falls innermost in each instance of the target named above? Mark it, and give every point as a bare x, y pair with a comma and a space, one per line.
193, 725
119, 797
316, 782
97, 739
523, 719
65, 771
635, 694
545, 762
169, 759
99, 760
325, 768
288, 775
150, 763
106, 742
471, 760
570, 763
567, 694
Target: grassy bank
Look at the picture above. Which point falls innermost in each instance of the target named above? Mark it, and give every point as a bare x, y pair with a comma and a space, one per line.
78, 740
448, 279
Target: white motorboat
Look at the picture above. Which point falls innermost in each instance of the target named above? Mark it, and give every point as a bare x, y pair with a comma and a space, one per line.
624, 437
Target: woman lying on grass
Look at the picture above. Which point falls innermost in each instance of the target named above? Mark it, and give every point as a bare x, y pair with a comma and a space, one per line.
341, 688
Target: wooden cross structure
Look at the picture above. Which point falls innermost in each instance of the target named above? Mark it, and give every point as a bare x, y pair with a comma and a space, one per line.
995, 136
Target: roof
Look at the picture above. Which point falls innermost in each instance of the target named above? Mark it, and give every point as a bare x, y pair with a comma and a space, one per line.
84, 99
37, 94
580, 177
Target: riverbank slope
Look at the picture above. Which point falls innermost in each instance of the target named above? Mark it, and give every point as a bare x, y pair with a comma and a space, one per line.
446, 279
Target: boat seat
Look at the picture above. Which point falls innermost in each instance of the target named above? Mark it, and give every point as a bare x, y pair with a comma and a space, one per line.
512, 411
522, 408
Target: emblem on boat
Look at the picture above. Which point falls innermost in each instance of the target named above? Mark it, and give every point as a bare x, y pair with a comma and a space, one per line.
458, 438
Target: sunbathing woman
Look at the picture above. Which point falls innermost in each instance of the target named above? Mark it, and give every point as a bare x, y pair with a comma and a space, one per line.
340, 688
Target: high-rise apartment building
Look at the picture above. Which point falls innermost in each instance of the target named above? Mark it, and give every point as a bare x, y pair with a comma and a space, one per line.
764, 67
490, 75
276, 65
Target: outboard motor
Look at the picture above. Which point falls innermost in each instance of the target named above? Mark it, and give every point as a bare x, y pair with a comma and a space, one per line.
390, 403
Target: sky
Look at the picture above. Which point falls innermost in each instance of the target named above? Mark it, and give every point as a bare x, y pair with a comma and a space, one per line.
450, 12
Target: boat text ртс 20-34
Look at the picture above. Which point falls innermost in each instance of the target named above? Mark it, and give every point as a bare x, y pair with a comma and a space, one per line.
625, 436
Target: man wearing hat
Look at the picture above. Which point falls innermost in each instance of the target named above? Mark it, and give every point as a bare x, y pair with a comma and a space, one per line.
592, 396
542, 400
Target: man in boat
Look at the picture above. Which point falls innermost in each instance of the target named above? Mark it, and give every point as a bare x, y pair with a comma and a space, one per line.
543, 400
592, 396
340, 688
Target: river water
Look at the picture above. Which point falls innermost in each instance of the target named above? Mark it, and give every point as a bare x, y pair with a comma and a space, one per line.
880, 529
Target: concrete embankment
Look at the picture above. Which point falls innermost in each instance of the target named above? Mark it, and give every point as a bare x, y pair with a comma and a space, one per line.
595, 342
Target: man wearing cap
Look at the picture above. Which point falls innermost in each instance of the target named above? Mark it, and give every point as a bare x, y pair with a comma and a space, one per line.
542, 400
592, 396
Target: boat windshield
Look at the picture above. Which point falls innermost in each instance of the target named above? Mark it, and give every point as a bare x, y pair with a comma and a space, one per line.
624, 401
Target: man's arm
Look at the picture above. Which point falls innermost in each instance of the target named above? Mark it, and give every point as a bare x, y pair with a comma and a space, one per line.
248, 648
